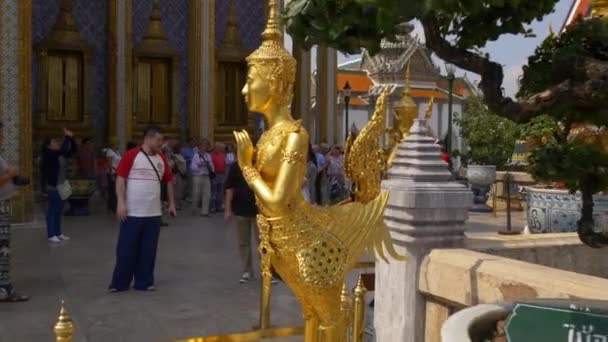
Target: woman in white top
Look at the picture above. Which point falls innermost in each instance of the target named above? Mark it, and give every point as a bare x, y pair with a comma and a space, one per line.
113, 156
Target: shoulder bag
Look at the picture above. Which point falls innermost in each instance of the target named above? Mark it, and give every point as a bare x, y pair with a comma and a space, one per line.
163, 186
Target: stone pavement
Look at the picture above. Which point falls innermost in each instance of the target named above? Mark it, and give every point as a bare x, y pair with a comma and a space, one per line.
197, 279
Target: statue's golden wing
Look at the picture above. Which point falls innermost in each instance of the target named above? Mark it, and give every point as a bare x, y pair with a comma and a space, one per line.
364, 159
359, 226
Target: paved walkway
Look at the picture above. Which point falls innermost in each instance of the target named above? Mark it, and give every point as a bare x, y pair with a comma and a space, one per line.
197, 279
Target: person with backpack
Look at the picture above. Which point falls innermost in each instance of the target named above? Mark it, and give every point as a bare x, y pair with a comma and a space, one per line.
140, 177
202, 175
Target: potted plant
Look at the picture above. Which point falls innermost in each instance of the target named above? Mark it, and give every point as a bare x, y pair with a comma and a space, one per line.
490, 141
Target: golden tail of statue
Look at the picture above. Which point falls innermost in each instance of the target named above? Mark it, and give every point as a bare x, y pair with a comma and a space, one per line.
364, 159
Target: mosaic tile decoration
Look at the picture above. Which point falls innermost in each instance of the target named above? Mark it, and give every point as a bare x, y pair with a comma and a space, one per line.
91, 19
222, 8
174, 18
142, 9
44, 15
9, 75
251, 16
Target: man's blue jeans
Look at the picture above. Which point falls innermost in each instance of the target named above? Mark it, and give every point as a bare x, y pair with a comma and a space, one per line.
136, 253
53, 213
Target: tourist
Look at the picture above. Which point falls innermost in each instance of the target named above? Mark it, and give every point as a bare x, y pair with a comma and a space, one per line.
202, 172
112, 154
179, 168
145, 170
309, 187
217, 183
240, 203
335, 174
319, 156
7, 190
57, 186
188, 152
230, 156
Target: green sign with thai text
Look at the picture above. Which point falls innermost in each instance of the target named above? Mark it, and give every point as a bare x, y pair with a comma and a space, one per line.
534, 323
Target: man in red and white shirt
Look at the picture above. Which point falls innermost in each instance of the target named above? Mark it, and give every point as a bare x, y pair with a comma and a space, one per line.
140, 177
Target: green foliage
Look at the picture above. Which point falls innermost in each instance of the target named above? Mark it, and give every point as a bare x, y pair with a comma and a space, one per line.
350, 25
540, 128
490, 138
560, 58
580, 166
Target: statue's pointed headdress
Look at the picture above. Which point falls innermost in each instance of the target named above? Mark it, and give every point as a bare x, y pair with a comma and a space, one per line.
273, 55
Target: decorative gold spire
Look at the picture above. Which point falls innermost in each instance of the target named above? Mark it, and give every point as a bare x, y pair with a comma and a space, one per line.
406, 88
64, 329
273, 29
551, 32
599, 8
406, 109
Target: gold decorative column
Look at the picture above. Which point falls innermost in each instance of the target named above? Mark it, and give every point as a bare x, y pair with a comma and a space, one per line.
195, 51
15, 97
207, 68
120, 69
301, 100
327, 92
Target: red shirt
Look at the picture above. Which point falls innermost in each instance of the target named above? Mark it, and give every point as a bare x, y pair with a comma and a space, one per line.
219, 161
445, 157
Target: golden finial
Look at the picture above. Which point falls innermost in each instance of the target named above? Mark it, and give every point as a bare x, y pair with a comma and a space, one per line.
359, 317
599, 8
64, 328
406, 89
551, 32
273, 29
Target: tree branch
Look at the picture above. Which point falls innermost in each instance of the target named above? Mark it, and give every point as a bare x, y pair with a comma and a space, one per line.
570, 93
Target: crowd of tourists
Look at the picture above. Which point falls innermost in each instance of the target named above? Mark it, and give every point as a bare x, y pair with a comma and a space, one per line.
164, 176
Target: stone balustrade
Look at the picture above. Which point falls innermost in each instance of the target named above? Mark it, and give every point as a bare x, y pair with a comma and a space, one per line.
451, 279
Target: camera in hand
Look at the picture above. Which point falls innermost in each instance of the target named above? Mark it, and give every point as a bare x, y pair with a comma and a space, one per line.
21, 180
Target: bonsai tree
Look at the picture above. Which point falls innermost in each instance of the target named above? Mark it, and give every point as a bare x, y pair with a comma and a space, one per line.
490, 139
572, 152
567, 78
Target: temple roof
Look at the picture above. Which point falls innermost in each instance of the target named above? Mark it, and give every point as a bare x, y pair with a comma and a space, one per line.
579, 8
388, 65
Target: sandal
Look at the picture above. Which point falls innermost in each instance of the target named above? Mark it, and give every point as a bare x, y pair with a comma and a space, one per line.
14, 297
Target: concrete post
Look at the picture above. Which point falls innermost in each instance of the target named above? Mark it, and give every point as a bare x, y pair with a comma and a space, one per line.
426, 210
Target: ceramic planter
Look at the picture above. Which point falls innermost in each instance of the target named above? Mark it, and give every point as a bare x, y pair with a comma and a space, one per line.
558, 211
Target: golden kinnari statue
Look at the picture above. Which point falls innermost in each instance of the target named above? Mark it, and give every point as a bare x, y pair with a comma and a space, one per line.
406, 111
312, 248
599, 8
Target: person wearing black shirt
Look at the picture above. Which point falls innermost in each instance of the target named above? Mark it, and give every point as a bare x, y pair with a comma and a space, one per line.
240, 204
